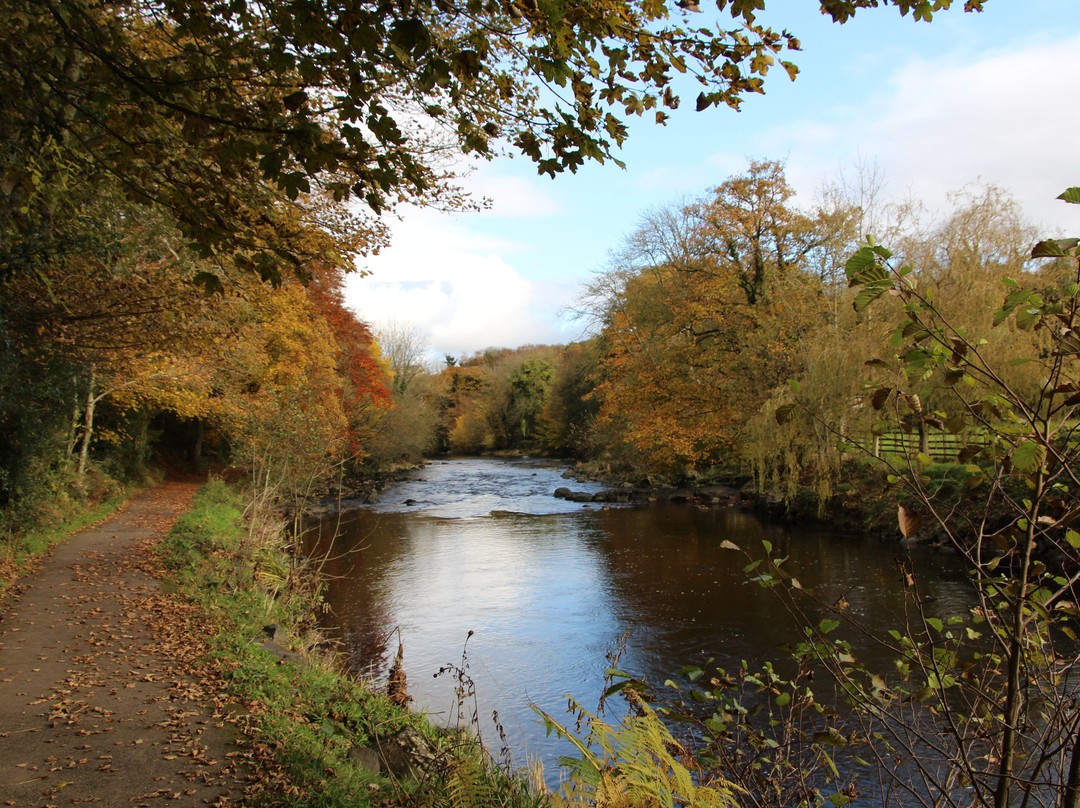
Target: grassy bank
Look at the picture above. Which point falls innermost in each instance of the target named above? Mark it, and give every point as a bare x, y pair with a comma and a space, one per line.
320, 733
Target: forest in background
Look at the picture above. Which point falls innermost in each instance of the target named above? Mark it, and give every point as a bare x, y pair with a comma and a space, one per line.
713, 309
704, 319
185, 184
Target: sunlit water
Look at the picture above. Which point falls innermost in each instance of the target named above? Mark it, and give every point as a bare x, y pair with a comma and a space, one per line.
541, 590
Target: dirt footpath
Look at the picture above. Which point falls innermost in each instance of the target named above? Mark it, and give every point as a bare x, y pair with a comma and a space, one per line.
101, 699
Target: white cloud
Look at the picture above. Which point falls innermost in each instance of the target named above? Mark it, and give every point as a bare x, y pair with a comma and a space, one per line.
1004, 119
456, 286
514, 197
932, 126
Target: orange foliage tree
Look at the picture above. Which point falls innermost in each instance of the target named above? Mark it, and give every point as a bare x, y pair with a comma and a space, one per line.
365, 390
700, 318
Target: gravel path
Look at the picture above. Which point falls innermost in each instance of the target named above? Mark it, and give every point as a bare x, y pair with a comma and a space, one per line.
101, 701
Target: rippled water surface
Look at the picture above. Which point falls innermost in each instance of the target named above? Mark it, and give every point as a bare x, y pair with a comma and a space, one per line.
546, 587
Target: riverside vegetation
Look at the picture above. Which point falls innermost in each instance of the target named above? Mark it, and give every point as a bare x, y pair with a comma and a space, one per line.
980, 709
968, 331
174, 237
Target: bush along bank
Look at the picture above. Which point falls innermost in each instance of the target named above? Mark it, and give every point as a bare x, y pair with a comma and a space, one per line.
319, 737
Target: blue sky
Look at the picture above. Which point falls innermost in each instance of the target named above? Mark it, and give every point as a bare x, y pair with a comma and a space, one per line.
969, 98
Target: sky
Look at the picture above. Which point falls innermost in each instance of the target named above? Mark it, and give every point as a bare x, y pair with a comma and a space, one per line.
969, 98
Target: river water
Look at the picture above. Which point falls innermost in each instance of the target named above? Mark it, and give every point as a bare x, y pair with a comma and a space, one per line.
486, 571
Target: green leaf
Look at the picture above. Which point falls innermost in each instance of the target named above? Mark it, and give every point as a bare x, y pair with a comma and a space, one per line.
794, 385
1070, 195
783, 699
1053, 248
830, 737
1073, 538
785, 413
968, 452
827, 625
1068, 343
210, 283
867, 296
1027, 319
955, 425
859, 262
952, 376
1029, 456
691, 672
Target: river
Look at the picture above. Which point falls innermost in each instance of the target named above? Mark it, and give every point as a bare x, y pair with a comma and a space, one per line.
474, 564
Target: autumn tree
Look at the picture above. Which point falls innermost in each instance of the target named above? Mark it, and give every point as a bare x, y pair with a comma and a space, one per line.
404, 345
407, 431
527, 399
962, 258
568, 418
365, 378
702, 316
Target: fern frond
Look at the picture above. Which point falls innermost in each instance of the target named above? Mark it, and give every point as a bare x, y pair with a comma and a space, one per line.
632, 765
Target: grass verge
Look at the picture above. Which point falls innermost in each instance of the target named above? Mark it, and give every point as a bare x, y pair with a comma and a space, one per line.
317, 728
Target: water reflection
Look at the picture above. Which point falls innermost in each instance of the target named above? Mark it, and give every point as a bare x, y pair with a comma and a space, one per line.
547, 587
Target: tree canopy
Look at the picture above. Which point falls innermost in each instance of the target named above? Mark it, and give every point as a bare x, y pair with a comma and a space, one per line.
211, 108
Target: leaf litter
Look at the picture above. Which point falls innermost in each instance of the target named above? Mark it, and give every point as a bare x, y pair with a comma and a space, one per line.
109, 695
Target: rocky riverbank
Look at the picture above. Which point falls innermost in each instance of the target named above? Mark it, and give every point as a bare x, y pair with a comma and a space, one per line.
708, 495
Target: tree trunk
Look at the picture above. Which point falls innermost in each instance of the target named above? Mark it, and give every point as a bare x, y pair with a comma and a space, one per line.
88, 425
196, 447
1013, 707
1071, 796
73, 427
142, 449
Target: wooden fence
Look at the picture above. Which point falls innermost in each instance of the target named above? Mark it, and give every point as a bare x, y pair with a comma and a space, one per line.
942, 446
